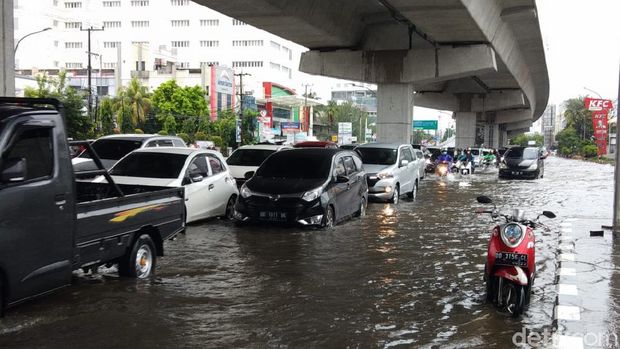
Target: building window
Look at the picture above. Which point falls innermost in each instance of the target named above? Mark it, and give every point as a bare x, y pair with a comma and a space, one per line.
274, 66
179, 2
143, 43
112, 24
209, 22
237, 22
73, 45
55, 2
208, 64
73, 65
140, 3
275, 45
73, 25
55, 23
246, 43
288, 51
247, 64
287, 71
182, 64
180, 44
109, 65
209, 43
56, 64
180, 22
55, 43
111, 4
111, 44
139, 24
73, 4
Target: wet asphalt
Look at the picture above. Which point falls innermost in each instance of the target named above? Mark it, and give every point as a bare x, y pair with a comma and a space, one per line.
404, 276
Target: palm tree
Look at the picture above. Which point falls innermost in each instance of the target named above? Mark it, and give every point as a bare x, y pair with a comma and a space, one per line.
139, 101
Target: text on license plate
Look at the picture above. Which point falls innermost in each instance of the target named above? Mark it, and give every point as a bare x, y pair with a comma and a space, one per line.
507, 258
272, 216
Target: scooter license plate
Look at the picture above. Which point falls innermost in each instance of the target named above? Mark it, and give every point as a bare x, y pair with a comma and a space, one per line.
513, 259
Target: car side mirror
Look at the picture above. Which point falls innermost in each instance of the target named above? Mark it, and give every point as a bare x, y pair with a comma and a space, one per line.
404, 163
196, 178
484, 200
13, 170
342, 179
548, 214
248, 175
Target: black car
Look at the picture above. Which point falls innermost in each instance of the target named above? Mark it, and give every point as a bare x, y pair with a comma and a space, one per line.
522, 162
306, 186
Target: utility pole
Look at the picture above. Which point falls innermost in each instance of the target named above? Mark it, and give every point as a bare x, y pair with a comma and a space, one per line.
241, 75
616, 227
89, 69
309, 116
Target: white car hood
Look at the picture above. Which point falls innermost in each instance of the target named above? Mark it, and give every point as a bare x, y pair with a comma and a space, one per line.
240, 171
374, 169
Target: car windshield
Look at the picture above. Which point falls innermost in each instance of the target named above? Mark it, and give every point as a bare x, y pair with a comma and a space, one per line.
378, 156
112, 149
249, 157
475, 152
525, 153
150, 165
292, 164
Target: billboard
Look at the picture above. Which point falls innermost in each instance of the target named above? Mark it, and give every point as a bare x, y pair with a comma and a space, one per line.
599, 108
221, 89
425, 124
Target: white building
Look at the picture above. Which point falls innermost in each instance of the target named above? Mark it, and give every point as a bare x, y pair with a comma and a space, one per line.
148, 37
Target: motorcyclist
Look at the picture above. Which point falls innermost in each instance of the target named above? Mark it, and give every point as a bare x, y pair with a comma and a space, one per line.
489, 158
470, 160
444, 157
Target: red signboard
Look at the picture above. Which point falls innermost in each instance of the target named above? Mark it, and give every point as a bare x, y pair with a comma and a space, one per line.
599, 109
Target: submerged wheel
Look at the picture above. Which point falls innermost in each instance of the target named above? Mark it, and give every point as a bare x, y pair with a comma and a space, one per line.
230, 208
328, 220
414, 192
140, 261
396, 195
513, 298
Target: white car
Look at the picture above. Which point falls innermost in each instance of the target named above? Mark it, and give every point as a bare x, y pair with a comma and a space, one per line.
113, 147
210, 189
249, 157
420, 159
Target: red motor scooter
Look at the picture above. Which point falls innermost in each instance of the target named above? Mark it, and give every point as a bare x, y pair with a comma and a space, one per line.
511, 260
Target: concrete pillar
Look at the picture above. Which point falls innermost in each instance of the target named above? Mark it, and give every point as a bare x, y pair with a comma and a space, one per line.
7, 58
394, 113
503, 135
491, 136
465, 129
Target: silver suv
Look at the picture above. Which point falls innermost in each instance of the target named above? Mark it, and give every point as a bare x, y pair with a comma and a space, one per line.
391, 170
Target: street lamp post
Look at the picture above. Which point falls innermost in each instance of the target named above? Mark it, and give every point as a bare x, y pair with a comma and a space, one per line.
27, 35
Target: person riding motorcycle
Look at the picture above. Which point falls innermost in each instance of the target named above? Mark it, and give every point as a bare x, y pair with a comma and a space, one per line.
443, 159
488, 159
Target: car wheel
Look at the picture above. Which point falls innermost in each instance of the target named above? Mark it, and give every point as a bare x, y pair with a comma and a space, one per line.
362, 209
414, 192
396, 195
328, 220
230, 207
140, 261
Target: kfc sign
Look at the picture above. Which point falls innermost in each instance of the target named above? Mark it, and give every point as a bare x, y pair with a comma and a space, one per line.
594, 104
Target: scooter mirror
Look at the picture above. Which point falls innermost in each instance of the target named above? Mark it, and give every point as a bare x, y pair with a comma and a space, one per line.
548, 214
484, 200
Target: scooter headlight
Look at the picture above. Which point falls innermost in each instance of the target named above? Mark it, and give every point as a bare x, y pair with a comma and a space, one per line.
502, 165
512, 235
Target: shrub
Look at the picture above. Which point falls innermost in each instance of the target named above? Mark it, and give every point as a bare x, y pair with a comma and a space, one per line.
138, 131
162, 133
200, 136
219, 142
589, 151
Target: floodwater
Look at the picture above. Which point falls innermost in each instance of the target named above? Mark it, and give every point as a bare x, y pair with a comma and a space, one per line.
403, 276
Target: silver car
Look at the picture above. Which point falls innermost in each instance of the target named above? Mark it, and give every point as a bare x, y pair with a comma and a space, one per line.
391, 170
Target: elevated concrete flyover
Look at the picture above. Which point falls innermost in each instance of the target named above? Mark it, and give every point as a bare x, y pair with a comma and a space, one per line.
483, 59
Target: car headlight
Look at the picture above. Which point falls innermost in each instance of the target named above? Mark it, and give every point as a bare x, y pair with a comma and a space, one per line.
428, 161
245, 192
312, 194
533, 166
385, 175
502, 165
512, 234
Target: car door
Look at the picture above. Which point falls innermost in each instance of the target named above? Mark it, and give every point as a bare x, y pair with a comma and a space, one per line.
220, 188
340, 190
355, 184
197, 196
404, 172
36, 224
421, 162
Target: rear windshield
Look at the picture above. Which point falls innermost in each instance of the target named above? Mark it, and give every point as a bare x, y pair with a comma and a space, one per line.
525, 153
249, 157
112, 149
150, 165
378, 156
292, 164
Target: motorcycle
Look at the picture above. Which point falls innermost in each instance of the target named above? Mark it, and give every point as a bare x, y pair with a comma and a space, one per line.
510, 267
442, 168
462, 167
487, 162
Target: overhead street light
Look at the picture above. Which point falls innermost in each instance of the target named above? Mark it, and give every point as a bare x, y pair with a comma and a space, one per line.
27, 35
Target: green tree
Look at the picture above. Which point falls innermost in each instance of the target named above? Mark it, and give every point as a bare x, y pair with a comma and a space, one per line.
333, 113
524, 139
447, 134
248, 126
139, 102
578, 117
107, 115
186, 104
569, 142
79, 125
170, 125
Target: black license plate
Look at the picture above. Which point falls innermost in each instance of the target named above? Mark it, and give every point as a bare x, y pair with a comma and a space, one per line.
273, 216
516, 173
513, 259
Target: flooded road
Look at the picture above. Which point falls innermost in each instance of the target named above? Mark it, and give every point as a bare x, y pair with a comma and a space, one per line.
403, 276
